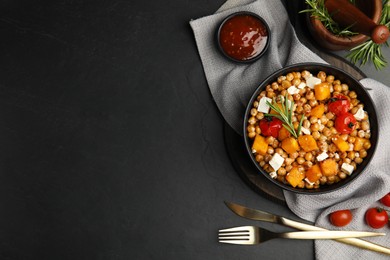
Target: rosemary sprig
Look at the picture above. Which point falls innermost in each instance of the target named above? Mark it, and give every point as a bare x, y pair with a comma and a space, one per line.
370, 50
285, 115
319, 11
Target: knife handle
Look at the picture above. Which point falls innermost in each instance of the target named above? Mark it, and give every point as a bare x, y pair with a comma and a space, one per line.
350, 241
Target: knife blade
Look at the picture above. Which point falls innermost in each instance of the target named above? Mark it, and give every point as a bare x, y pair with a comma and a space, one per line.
259, 215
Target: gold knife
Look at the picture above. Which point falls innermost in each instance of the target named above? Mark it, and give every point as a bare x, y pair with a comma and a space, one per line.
255, 214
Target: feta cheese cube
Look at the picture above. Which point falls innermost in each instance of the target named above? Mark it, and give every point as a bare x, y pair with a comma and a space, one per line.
347, 168
322, 156
305, 130
312, 81
302, 85
263, 107
359, 115
292, 90
276, 161
273, 175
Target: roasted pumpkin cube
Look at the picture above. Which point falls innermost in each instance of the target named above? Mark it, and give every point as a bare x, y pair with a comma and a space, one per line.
307, 143
279, 105
314, 173
290, 145
295, 176
359, 143
342, 145
322, 91
283, 134
260, 145
329, 167
318, 110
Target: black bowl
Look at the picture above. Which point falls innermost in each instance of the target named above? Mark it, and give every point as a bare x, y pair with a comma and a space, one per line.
243, 13
363, 96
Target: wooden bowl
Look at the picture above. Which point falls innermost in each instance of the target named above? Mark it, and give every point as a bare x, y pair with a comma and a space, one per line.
327, 40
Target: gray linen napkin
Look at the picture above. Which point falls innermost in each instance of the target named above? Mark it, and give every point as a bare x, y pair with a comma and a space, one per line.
231, 86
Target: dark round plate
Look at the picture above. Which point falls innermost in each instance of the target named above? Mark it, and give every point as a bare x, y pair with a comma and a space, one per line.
363, 96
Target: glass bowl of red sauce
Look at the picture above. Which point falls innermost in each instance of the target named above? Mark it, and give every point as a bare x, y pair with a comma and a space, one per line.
243, 37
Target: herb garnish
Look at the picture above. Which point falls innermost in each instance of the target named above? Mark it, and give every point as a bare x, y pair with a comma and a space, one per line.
369, 50
319, 11
285, 115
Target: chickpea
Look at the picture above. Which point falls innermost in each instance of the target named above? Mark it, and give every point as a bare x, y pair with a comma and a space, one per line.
323, 180
289, 76
342, 175
307, 164
275, 144
288, 161
321, 75
336, 82
275, 86
364, 125
253, 111
344, 87
313, 120
252, 135
286, 84
358, 160
305, 74
271, 94
296, 74
296, 97
316, 135
354, 110
259, 157
289, 168
306, 123
300, 160
296, 82
315, 127
296, 125
310, 95
323, 145
281, 78
259, 116
361, 133
270, 139
262, 163
252, 120
351, 139
367, 135
352, 94
337, 88
270, 150
258, 130
367, 145
330, 78
303, 100
282, 171
363, 153
294, 155
326, 131
251, 128
309, 157
279, 151
313, 102
353, 133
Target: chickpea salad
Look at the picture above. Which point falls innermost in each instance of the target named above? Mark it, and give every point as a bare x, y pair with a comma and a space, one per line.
308, 130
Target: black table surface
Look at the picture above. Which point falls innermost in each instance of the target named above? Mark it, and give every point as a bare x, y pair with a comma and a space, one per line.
111, 146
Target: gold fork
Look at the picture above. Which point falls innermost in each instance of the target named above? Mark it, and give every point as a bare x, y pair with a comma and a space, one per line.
252, 235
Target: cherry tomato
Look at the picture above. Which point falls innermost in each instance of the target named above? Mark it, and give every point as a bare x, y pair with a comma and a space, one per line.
270, 126
386, 200
345, 123
340, 218
339, 104
376, 217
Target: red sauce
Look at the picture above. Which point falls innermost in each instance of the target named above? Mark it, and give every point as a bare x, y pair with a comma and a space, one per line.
243, 37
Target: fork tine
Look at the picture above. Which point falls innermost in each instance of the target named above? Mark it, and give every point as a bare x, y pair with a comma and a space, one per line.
237, 234
242, 228
236, 242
